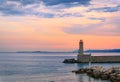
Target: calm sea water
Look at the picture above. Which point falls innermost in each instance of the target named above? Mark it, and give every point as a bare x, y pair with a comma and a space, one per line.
34, 67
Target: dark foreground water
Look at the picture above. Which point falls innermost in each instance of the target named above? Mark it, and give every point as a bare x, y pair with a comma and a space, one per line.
34, 67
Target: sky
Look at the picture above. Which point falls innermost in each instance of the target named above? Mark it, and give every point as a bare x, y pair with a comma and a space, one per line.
58, 25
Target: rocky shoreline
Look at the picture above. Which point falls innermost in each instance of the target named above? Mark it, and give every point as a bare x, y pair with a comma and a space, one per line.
99, 72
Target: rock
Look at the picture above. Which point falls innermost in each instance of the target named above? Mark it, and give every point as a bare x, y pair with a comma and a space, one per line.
104, 76
96, 74
69, 61
95, 71
74, 71
115, 78
80, 71
90, 72
112, 73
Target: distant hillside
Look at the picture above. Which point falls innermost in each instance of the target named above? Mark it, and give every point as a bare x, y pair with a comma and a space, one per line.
105, 50
43, 52
75, 51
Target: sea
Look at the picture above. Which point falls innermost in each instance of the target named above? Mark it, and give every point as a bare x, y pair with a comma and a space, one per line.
45, 67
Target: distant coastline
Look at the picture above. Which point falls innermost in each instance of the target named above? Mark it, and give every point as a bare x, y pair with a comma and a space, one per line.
104, 51
75, 51
44, 52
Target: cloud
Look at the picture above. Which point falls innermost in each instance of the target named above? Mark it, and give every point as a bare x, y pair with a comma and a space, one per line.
53, 8
10, 8
93, 18
47, 8
93, 29
13, 7
56, 2
80, 29
106, 9
53, 2
26, 2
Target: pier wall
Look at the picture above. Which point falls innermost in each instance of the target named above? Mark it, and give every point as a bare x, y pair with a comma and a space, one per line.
105, 59
98, 59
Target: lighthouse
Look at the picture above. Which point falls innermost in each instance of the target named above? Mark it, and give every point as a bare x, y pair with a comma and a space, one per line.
85, 58
81, 49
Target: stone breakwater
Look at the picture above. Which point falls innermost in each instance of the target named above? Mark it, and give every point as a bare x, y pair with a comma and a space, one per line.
94, 59
98, 72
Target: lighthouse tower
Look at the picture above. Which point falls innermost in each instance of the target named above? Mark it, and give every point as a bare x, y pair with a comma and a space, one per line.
80, 51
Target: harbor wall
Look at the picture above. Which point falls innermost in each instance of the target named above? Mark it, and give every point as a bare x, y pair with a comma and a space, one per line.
98, 59
105, 59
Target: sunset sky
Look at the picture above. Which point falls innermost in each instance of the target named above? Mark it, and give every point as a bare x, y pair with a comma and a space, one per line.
58, 25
